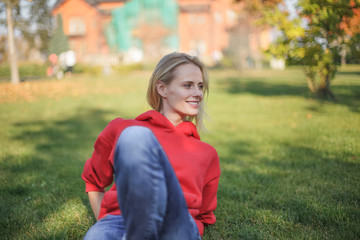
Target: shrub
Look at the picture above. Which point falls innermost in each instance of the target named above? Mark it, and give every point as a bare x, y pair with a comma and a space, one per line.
89, 69
128, 68
25, 70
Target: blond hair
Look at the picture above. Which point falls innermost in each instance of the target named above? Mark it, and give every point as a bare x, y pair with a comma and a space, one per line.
164, 71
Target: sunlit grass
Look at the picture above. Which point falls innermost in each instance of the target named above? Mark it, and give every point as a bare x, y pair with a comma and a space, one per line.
290, 163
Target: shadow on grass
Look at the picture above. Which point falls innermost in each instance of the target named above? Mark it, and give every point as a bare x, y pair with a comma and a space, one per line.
349, 73
347, 95
261, 86
299, 191
48, 176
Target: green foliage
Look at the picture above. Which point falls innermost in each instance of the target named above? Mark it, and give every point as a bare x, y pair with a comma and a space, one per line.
290, 164
128, 68
238, 53
58, 42
315, 38
5, 71
25, 70
353, 55
87, 69
42, 18
256, 7
33, 20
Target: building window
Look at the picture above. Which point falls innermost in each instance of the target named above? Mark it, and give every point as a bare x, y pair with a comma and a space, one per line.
196, 19
77, 26
218, 18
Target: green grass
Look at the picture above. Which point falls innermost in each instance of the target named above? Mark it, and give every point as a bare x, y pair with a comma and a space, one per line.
290, 163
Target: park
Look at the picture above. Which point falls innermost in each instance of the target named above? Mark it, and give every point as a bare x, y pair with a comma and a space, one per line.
289, 161
283, 111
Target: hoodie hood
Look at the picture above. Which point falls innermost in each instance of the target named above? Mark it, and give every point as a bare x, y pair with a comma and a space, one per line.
157, 119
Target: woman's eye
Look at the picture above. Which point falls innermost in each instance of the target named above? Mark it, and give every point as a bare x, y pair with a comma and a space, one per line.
201, 86
187, 85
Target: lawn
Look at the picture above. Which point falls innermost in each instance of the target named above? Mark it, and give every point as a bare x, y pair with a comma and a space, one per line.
290, 163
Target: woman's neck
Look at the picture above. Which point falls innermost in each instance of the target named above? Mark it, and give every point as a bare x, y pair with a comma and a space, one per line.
174, 118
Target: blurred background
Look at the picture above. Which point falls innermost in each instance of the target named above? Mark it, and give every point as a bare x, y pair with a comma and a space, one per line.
109, 33
242, 34
284, 107
117, 32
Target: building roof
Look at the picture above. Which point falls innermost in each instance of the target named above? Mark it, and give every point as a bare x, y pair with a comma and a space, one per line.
91, 2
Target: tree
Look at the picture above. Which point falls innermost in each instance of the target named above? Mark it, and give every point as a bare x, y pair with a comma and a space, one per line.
41, 19
316, 38
11, 43
58, 42
351, 26
248, 13
32, 20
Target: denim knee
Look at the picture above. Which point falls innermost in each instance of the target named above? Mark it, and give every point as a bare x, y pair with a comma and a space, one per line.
134, 132
110, 227
134, 140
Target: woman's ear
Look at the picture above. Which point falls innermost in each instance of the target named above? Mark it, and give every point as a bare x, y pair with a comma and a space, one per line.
161, 88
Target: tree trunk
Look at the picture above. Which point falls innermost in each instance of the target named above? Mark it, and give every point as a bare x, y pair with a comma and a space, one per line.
343, 55
311, 84
310, 79
11, 45
324, 90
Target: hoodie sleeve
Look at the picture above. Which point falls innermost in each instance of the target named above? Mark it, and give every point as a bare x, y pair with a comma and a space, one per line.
98, 170
206, 215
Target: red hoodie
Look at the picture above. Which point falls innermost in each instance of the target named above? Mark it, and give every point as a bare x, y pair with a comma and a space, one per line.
195, 163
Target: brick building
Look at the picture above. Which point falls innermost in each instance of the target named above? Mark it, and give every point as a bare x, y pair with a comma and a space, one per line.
83, 22
202, 27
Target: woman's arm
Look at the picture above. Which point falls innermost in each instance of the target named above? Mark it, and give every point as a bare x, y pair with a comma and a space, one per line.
95, 199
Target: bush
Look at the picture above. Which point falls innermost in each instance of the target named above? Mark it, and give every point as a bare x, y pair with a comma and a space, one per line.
89, 69
25, 70
5, 71
128, 68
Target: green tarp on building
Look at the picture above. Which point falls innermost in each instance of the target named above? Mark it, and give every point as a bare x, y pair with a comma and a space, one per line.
136, 14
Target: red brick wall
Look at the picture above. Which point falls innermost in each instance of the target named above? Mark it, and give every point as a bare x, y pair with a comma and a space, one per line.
93, 40
203, 24
202, 28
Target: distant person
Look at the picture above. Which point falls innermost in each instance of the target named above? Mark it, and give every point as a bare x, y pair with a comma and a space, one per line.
166, 179
70, 61
52, 69
56, 68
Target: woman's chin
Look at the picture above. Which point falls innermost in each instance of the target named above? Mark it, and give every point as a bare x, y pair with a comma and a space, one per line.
191, 114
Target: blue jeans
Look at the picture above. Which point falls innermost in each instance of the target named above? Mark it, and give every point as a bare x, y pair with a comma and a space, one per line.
149, 194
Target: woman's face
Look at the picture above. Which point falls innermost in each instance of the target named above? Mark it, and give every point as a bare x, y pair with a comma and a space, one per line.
182, 96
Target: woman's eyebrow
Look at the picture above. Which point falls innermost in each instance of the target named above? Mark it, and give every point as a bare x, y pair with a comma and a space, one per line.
187, 81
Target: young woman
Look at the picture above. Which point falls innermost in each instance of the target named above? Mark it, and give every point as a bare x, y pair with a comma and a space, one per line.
166, 179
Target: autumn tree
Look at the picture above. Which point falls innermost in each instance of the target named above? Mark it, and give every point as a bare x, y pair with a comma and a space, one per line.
32, 21
248, 13
316, 38
41, 19
351, 26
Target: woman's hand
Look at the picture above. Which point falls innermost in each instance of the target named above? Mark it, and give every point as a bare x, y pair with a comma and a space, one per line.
95, 199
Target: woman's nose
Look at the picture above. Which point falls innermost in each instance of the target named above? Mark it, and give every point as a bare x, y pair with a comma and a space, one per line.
198, 92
